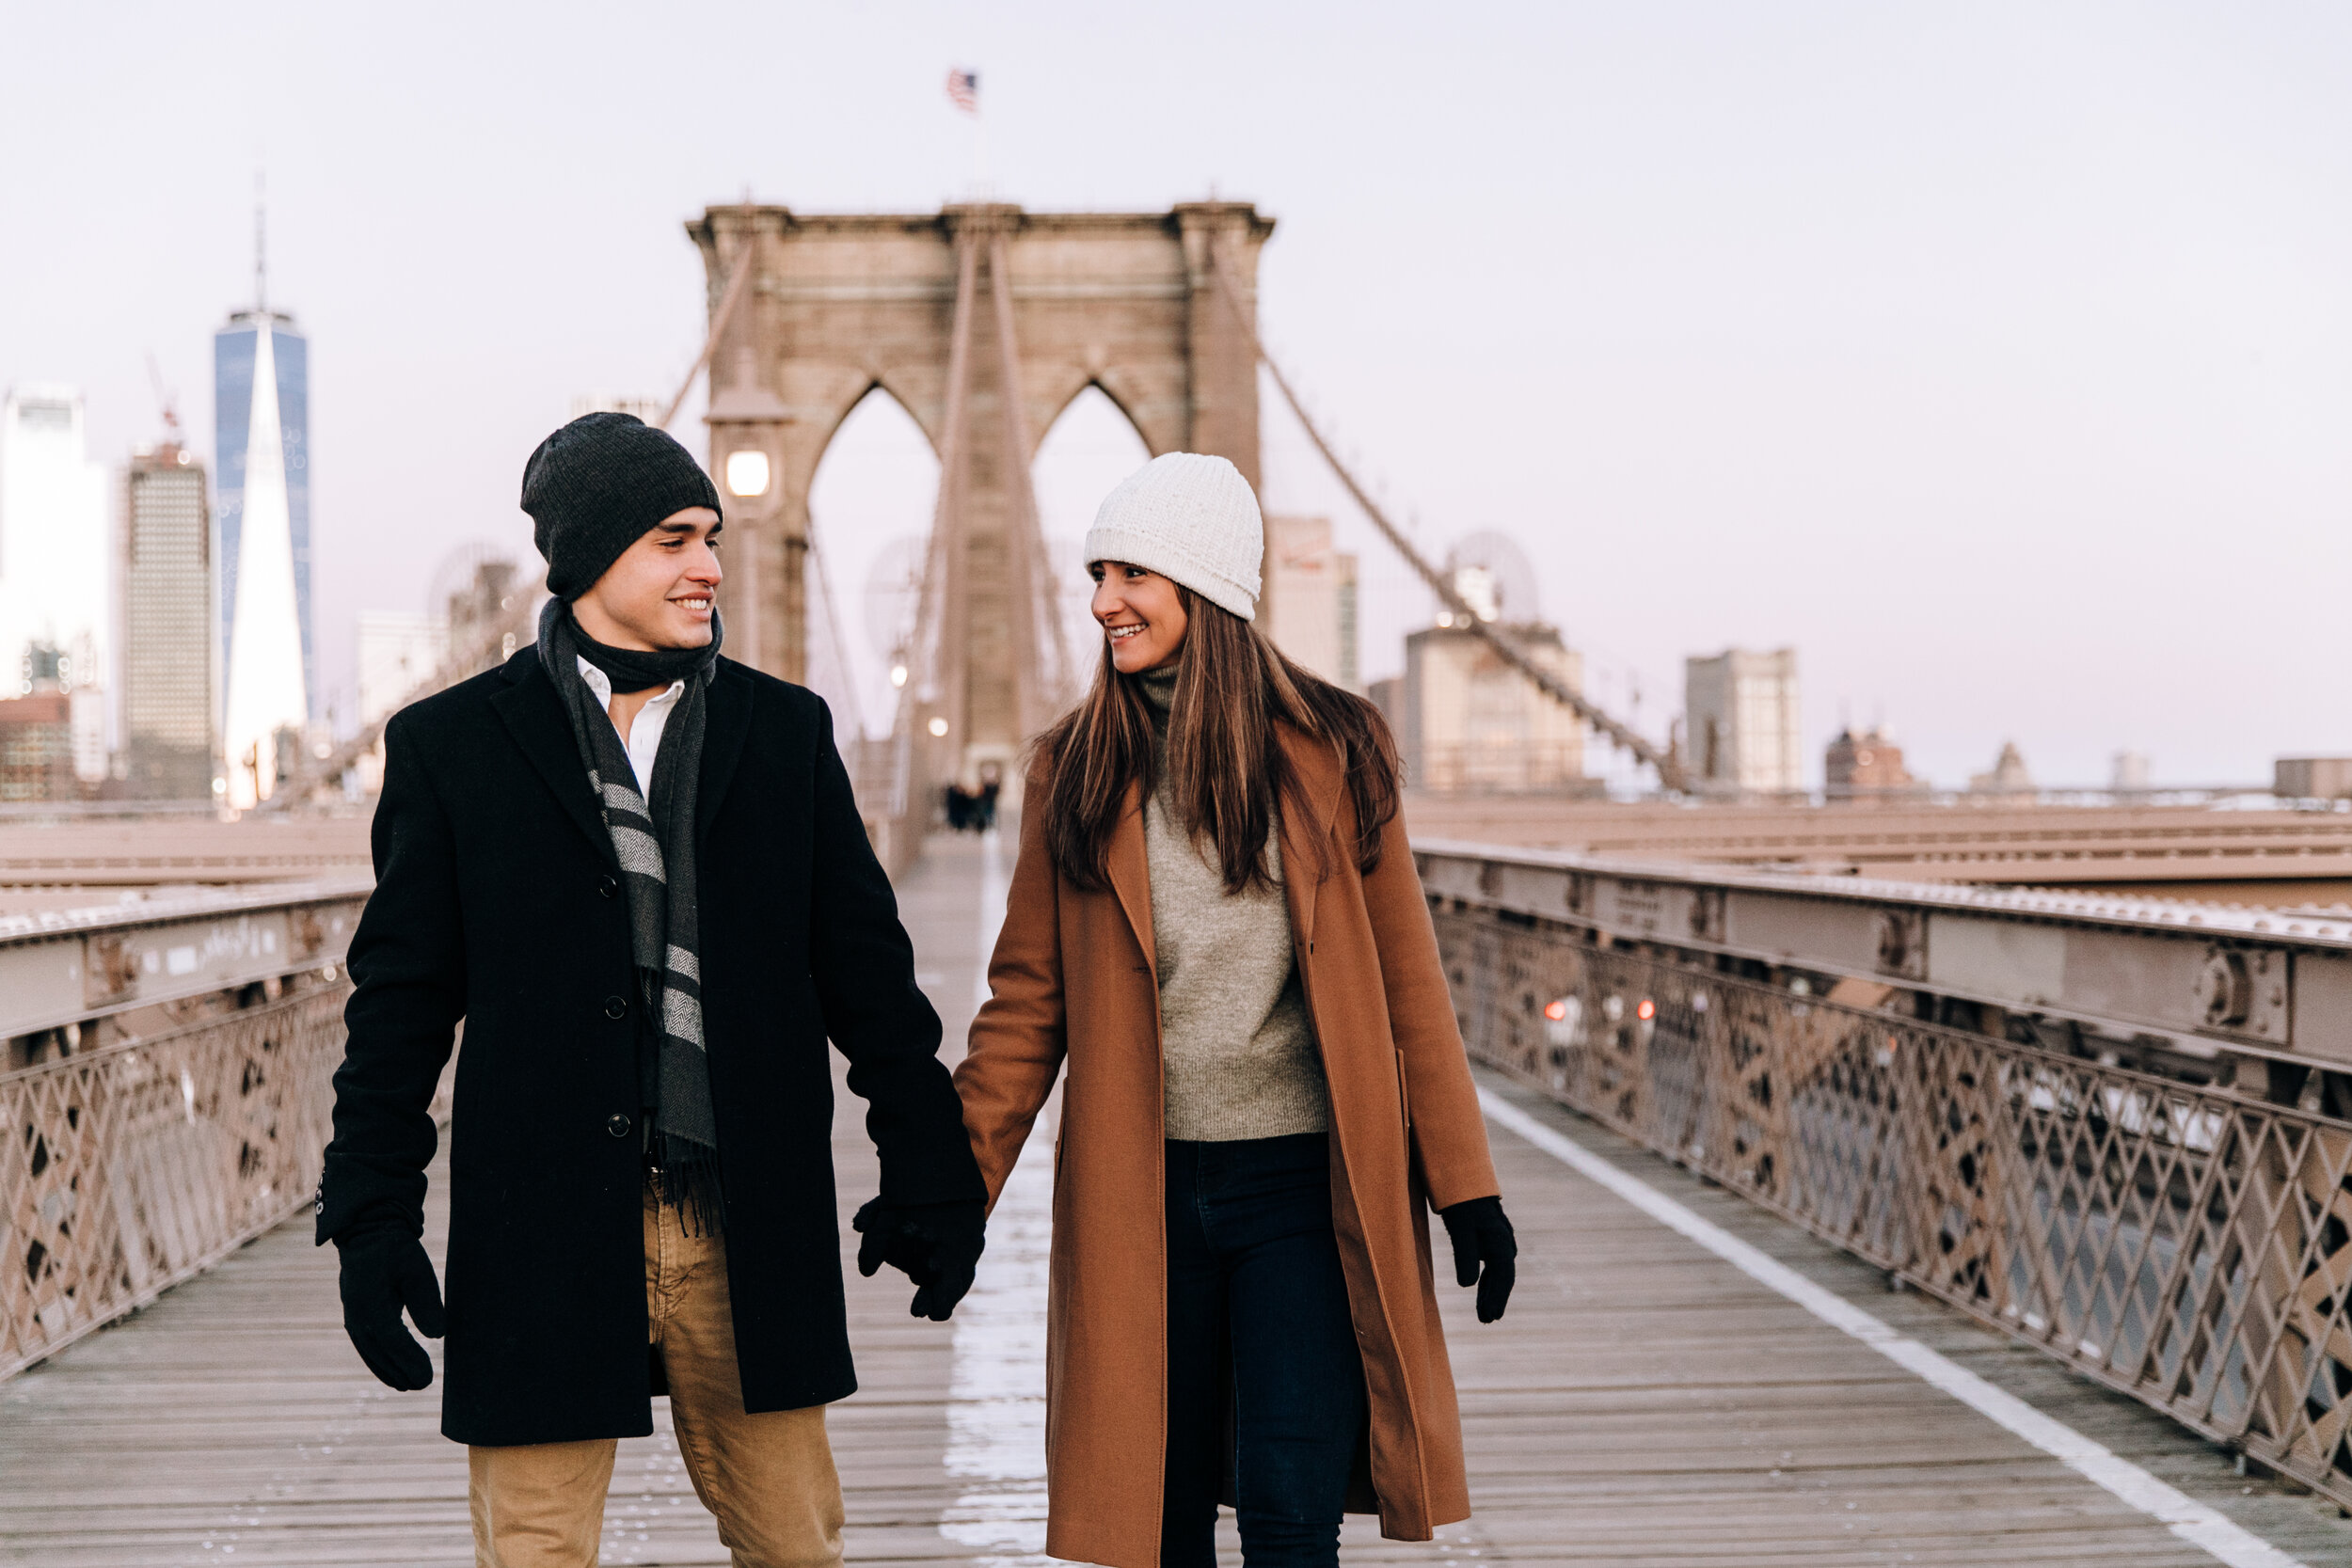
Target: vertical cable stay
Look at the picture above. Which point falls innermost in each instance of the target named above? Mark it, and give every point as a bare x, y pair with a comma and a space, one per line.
739, 281
832, 629
1042, 678
1669, 766
935, 640
1020, 566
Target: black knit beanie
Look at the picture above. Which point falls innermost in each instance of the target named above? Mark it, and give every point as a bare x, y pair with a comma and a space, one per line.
599, 485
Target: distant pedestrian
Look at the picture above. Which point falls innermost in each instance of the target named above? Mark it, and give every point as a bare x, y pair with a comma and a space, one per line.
1216, 919
634, 870
984, 804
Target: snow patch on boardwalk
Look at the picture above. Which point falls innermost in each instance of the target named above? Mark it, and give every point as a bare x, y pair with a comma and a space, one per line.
997, 1391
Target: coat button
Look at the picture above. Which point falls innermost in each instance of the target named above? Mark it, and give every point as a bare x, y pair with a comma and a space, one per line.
607, 887
617, 1125
615, 1006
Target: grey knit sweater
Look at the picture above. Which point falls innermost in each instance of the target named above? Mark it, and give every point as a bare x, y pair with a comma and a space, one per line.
1237, 1048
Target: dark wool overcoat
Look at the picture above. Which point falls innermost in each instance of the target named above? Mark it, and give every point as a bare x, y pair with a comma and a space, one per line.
498, 902
1072, 987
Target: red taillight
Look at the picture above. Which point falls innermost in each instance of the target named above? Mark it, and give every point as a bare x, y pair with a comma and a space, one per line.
1556, 1009
1647, 1011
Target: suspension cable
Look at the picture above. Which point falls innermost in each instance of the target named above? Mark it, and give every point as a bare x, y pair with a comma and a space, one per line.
1669, 766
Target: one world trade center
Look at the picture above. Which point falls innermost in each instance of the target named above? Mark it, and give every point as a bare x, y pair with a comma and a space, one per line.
262, 435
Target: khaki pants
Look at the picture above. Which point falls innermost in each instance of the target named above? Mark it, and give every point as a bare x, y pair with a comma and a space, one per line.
767, 1478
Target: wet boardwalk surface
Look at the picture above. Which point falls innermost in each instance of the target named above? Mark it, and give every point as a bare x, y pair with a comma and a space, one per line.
1644, 1403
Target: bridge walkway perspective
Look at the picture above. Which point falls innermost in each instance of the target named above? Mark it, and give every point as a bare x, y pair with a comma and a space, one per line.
1682, 1380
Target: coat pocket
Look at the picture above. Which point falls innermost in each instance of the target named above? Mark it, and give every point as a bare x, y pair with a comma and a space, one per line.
1403, 1093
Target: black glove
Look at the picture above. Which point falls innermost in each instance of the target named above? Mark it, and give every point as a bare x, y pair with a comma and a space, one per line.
1482, 1235
935, 1244
385, 1268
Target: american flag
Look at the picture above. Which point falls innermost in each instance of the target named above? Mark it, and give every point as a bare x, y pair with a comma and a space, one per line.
964, 89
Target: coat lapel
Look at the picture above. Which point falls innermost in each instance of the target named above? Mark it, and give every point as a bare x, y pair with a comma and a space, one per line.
1130, 875
532, 712
1308, 844
730, 720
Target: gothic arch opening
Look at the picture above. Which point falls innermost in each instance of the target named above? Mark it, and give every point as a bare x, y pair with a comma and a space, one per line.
870, 503
810, 310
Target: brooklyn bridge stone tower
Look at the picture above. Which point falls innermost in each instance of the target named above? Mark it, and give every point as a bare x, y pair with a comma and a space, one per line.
984, 321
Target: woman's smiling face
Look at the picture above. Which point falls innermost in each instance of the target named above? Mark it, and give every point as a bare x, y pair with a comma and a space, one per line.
1142, 614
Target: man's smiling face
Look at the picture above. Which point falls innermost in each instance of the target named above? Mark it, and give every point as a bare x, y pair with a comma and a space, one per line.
661, 592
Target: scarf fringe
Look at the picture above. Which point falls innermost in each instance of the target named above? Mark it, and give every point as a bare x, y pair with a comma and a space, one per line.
686, 1179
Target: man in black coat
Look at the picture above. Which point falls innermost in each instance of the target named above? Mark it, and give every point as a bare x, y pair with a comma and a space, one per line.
634, 869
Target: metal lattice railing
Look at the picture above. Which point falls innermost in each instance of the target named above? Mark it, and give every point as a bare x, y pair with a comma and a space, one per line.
130, 1169
2182, 1244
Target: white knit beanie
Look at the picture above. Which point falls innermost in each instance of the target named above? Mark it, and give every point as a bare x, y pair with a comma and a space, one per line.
1193, 520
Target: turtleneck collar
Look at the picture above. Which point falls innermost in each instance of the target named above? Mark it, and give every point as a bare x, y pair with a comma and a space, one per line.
1159, 690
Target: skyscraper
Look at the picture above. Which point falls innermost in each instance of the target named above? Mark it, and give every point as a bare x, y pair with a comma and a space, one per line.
52, 537
54, 559
399, 650
262, 429
1865, 766
37, 748
169, 657
1311, 596
1470, 722
1740, 712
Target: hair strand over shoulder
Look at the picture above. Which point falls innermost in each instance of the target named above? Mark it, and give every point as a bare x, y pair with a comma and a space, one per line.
1225, 766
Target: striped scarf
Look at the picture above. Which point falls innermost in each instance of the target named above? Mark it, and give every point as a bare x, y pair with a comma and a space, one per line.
654, 846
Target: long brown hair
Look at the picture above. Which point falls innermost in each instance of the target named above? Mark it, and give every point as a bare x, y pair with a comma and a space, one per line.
1225, 765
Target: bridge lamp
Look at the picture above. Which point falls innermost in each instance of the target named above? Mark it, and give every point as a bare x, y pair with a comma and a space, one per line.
939, 727
1646, 1010
1556, 1009
897, 674
747, 473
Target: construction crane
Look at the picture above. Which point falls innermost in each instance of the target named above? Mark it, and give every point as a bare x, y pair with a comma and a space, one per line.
166, 402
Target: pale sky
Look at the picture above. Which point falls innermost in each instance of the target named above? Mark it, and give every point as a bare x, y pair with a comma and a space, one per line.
1998, 358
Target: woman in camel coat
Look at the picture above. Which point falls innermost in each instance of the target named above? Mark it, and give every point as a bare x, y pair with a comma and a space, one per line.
1215, 922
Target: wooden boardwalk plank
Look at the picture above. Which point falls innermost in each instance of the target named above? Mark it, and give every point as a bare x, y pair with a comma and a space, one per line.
1644, 1404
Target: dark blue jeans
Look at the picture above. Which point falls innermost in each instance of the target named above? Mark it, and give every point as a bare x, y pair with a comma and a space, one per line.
1257, 1315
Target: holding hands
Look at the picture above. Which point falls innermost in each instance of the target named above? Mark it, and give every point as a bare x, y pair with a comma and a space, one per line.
937, 1245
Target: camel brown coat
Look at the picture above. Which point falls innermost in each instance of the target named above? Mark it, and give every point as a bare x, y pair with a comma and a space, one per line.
1073, 977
